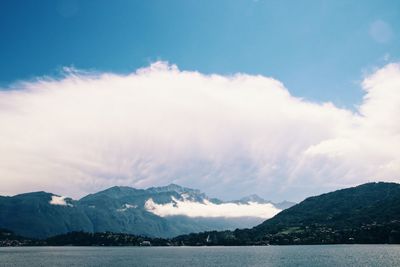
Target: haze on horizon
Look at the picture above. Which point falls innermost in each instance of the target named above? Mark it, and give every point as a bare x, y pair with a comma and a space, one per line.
90, 101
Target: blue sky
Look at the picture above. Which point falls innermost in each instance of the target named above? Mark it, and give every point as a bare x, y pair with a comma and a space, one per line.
319, 49
153, 96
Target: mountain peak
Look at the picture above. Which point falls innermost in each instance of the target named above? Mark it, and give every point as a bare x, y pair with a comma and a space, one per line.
37, 194
253, 198
115, 192
172, 188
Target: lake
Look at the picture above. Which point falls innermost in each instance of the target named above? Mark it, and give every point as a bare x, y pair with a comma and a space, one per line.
327, 255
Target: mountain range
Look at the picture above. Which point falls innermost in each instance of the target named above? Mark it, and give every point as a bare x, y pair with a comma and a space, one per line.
154, 212
365, 214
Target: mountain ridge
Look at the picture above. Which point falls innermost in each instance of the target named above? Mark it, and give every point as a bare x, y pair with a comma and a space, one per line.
365, 214
120, 209
368, 213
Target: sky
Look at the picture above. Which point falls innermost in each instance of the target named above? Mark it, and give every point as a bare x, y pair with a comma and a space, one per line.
285, 99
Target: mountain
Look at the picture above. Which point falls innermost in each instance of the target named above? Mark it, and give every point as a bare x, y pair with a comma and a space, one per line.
155, 212
366, 214
369, 213
257, 199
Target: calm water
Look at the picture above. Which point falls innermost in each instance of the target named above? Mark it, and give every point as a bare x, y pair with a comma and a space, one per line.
338, 255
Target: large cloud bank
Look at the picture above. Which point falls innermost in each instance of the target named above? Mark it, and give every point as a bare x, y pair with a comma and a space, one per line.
226, 135
208, 209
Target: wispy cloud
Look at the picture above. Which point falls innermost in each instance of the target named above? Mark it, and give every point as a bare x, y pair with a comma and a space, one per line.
227, 135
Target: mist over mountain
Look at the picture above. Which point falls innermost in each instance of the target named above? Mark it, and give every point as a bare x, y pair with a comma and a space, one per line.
156, 212
366, 214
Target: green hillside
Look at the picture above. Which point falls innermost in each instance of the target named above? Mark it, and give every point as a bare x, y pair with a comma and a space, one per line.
369, 213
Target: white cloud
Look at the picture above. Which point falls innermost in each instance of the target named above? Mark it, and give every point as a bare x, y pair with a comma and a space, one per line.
125, 207
211, 210
59, 200
226, 135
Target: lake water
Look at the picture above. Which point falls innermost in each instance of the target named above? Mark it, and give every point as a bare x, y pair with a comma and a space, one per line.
328, 255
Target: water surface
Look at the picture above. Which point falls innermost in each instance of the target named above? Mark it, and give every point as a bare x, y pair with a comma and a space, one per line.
327, 255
